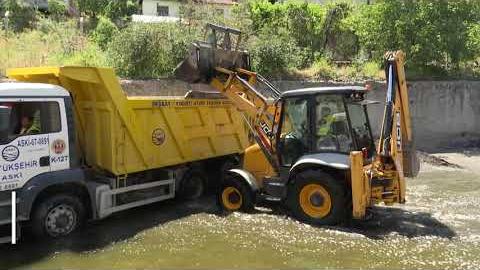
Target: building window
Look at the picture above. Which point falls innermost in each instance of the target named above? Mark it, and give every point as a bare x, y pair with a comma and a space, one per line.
162, 10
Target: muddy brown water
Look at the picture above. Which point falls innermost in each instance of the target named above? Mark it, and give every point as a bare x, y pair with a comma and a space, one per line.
439, 227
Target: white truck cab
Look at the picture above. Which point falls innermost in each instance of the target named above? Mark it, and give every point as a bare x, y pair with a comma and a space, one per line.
35, 142
34, 136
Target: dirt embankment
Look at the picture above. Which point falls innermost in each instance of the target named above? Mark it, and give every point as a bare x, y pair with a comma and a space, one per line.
454, 159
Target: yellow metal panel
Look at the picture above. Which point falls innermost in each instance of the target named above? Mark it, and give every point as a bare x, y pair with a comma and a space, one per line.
256, 163
359, 187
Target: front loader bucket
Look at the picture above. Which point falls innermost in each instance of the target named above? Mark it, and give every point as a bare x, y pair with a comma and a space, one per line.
200, 64
220, 50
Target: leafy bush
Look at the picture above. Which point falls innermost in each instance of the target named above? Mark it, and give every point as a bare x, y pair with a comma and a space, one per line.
321, 69
149, 50
104, 32
274, 54
91, 56
473, 39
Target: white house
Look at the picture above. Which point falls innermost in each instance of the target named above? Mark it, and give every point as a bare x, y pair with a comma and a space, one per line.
171, 8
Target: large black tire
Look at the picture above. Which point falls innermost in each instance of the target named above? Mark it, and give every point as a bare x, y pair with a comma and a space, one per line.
316, 198
192, 185
58, 216
236, 195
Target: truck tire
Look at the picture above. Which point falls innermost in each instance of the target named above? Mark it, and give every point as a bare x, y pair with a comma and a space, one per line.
192, 185
236, 195
316, 198
58, 216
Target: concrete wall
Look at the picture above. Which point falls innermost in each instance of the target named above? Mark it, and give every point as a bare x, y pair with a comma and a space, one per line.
446, 114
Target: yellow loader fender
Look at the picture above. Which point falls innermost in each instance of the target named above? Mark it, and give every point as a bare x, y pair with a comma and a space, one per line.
238, 191
333, 160
247, 177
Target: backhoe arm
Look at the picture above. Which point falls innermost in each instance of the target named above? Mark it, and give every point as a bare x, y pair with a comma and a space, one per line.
396, 139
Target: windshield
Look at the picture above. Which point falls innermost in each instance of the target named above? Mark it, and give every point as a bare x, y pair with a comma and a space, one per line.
360, 127
331, 132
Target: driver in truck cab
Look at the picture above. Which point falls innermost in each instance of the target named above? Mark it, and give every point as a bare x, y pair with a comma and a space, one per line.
29, 125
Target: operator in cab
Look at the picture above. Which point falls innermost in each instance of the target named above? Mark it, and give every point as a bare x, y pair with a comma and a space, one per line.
325, 122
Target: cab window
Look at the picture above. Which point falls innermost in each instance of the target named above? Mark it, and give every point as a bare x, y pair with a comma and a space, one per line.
294, 131
331, 124
28, 118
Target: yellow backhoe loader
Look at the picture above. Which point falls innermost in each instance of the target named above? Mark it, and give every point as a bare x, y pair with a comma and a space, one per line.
314, 147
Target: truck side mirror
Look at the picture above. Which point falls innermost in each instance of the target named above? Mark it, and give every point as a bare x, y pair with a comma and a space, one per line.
4, 123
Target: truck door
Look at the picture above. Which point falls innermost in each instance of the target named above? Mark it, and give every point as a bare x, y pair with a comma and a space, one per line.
33, 142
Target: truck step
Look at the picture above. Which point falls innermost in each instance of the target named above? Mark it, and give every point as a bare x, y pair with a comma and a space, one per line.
272, 198
5, 240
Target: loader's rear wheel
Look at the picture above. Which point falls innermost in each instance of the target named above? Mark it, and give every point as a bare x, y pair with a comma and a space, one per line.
235, 195
317, 198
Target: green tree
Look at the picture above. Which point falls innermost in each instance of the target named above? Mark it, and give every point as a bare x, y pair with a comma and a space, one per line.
432, 33
21, 14
57, 9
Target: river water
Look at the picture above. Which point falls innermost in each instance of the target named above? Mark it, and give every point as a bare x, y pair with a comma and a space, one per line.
439, 227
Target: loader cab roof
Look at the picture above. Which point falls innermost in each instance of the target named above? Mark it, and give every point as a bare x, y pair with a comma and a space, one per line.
17, 89
340, 90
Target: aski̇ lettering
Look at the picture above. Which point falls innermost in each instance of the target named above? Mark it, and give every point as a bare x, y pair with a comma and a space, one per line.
12, 177
22, 165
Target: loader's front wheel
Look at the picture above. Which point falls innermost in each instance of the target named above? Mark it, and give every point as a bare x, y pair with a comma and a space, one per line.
235, 195
316, 198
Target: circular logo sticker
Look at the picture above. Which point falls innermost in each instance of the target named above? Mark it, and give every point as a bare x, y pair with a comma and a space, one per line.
158, 136
10, 153
58, 146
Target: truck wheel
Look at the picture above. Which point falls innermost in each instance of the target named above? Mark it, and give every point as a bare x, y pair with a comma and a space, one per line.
317, 198
192, 185
236, 195
58, 216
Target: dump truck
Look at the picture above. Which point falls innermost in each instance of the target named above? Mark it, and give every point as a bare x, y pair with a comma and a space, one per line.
315, 152
74, 147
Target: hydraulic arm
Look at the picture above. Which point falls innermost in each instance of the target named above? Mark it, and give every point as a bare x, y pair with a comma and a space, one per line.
396, 138
220, 63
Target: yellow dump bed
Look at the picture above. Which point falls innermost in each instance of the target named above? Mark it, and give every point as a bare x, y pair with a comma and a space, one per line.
123, 134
